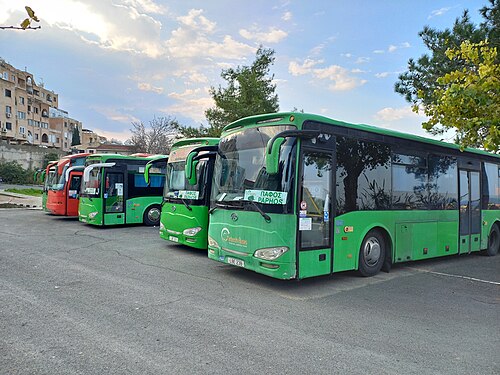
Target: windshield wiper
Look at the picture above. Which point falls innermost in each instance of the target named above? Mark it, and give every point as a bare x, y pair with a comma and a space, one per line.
264, 215
185, 204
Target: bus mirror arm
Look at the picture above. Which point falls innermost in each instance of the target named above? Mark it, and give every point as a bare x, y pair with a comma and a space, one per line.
274, 144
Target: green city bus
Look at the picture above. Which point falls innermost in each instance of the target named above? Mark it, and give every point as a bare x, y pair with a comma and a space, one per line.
114, 191
184, 214
296, 195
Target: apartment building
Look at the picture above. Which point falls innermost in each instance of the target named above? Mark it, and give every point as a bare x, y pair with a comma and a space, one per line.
29, 113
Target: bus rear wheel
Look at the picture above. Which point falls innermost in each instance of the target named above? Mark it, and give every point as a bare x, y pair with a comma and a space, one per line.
493, 241
152, 216
372, 253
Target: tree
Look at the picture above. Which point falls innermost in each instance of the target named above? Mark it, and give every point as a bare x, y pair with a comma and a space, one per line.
75, 139
419, 83
26, 23
47, 158
250, 91
468, 99
156, 138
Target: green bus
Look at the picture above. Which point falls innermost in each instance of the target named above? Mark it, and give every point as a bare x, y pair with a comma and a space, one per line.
114, 191
184, 214
296, 195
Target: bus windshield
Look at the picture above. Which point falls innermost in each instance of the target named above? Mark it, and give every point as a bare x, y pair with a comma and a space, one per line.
240, 173
90, 188
59, 179
177, 186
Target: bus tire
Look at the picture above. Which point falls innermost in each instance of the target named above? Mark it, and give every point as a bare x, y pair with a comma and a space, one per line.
493, 241
372, 253
152, 216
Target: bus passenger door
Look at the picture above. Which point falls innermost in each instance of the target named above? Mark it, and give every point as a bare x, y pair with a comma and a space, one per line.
314, 214
114, 197
73, 193
470, 211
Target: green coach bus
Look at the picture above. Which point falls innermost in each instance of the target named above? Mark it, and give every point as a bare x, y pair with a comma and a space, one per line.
184, 214
114, 191
296, 195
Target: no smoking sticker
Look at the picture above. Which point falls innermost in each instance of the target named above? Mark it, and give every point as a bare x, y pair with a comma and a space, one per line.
303, 205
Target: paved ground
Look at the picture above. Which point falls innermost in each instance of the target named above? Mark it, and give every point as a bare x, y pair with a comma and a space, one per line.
75, 299
8, 199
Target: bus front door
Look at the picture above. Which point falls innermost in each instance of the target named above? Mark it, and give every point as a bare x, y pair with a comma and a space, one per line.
314, 214
470, 211
75, 181
114, 197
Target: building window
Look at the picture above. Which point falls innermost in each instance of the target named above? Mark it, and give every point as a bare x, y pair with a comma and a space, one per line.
21, 115
8, 93
45, 139
5, 76
44, 113
36, 109
29, 109
22, 130
21, 100
8, 125
36, 137
8, 109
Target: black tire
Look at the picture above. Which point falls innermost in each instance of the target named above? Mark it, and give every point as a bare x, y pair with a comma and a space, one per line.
372, 253
493, 241
152, 216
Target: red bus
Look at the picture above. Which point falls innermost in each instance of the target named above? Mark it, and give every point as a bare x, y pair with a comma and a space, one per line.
63, 194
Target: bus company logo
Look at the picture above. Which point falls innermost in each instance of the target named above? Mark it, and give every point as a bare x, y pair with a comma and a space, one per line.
225, 235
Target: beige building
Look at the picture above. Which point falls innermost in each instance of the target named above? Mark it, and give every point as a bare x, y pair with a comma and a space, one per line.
29, 113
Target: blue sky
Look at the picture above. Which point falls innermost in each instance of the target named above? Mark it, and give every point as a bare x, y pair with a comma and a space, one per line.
115, 62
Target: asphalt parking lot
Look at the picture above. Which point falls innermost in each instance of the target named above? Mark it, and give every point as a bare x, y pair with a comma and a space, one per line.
76, 299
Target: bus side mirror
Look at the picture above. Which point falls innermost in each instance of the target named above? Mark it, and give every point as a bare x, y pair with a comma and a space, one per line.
273, 155
190, 168
35, 175
146, 173
43, 175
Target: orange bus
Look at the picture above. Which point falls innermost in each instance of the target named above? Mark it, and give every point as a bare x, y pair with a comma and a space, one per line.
63, 193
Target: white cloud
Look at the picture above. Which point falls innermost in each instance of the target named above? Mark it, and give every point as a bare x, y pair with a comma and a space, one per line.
378, 51
339, 78
362, 60
115, 115
394, 114
102, 23
191, 40
143, 86
287, 16
382, 75
272, 35
438, 12
393, 48
190, 103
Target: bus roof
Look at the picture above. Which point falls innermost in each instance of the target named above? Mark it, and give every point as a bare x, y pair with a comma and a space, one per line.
297, 119
104, 157
201, 141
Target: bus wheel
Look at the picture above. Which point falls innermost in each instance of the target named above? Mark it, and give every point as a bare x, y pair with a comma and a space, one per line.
493, 241
372, 253
152, 216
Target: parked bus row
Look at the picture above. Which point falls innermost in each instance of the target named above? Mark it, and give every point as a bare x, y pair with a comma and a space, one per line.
294, 195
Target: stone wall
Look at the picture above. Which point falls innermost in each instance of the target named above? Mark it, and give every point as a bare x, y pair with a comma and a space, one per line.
30, 157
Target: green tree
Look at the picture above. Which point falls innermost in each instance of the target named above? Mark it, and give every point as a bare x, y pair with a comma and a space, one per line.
47, 158
250, 91
75, 139
418, 85
468, 99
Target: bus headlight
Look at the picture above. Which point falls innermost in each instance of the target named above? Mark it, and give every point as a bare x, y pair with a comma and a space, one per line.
213, 243
162, 227
271, 253
92, 215
191, 231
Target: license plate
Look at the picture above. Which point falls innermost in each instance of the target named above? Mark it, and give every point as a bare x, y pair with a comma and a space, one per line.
236, 262
173, 239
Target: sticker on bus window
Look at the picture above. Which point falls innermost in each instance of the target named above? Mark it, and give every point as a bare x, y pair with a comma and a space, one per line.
188, 194
305, 223
119, 188
266, 196
90, 190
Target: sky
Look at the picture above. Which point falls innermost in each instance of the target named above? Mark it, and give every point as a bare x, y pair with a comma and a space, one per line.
122, 61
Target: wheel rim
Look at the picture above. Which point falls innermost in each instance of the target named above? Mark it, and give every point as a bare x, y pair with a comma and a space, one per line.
371, 251
154, 214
